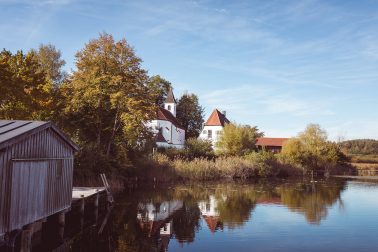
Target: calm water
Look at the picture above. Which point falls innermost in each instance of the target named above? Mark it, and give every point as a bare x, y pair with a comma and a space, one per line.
335, 215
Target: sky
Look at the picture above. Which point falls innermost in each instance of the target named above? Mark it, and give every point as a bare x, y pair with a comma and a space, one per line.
278, 65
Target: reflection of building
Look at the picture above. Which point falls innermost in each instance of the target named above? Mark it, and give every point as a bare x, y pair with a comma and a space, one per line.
210, 213
156, 220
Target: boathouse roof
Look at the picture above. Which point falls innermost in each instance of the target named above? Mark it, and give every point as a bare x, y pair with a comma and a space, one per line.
12, 131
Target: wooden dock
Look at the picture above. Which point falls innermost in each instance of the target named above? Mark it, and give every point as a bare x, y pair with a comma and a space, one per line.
86, 192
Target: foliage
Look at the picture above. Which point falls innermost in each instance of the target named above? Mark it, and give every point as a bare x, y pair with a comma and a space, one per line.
360, 146
190, 115
50, 62
312, 151
195, 148
107, 99
158, 88
237, 139
25, 91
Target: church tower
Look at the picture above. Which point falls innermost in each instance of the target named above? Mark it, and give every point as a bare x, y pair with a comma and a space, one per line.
170, 103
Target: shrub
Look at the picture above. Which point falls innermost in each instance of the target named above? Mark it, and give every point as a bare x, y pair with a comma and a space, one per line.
195, 148
237, 140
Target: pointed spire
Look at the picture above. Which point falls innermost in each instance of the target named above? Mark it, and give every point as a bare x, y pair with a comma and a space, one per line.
170, 97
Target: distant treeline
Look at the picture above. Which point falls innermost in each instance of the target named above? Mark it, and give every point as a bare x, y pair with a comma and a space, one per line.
360, 147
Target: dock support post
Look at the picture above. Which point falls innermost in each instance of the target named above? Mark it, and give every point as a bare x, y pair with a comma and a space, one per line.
82, 208
96, 205
26, 238
61, 223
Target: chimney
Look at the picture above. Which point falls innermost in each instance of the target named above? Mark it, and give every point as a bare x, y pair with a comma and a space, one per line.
224, 112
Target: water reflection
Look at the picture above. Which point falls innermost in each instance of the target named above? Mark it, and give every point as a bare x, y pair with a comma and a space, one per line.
149, 218
227, 216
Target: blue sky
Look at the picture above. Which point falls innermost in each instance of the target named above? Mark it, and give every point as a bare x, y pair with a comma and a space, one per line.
276, 64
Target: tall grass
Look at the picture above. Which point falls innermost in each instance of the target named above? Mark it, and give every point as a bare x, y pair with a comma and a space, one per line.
223, 167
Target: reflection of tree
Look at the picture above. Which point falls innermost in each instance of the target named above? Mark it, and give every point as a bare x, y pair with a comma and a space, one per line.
235, 210
233, 204
186, 222
311, 199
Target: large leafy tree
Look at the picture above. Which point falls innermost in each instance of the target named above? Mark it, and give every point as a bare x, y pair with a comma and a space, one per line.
237, 139
190, 115
312, 151
107, 97
50, 61
26, 92
158, 88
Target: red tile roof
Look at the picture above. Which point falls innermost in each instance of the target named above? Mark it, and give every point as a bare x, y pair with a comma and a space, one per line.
217, 119
163, 114
269, 141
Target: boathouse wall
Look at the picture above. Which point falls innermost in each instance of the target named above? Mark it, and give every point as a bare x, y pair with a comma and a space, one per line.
36, 171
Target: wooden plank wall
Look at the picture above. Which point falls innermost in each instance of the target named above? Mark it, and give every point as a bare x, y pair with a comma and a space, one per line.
47, 147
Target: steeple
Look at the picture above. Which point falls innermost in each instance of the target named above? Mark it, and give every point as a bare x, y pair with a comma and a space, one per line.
170, 102
170, 97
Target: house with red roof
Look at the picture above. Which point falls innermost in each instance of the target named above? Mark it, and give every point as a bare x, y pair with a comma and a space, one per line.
166, 128
214, 126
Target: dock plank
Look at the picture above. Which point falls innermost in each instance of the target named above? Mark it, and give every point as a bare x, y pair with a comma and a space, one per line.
85, 192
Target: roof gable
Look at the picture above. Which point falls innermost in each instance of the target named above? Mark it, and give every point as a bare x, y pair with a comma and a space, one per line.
163, 114
217, 119
12, 131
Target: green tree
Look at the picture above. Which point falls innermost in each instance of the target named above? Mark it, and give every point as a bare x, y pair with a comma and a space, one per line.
195, 148
25, 91
158, 88
107, 99
312, 151
190, 115
237, 139
50, 61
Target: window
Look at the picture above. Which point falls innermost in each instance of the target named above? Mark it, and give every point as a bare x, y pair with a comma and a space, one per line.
209, 134
169, 107
204, 132
218, 132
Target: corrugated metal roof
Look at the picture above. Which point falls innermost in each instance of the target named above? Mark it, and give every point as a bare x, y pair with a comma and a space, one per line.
10, 130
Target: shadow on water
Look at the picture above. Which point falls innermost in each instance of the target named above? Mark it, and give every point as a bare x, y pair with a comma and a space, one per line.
146, 218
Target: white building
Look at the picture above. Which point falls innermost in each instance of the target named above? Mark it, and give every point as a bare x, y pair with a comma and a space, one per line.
168, 131
214, 126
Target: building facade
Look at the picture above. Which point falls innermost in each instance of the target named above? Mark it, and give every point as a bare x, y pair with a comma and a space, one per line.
214, 126
271, 144
167, 130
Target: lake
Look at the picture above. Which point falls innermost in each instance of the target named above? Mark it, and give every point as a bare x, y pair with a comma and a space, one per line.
332, 215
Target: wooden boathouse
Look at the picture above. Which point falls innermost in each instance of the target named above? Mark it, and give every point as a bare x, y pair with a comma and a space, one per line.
36, 171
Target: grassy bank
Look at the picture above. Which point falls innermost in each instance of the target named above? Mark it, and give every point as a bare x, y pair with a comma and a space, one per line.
365, 165
254, 165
